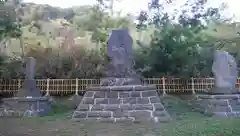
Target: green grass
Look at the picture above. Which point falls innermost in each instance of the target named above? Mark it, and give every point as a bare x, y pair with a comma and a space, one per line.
62, 108
186, 122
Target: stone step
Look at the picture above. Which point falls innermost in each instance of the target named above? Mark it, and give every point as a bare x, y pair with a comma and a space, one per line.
118, 95
227, 96
25, 99
135, 115
220, 105
122, 88
120, 107
219, 109
116, 100
219, 102
20, 113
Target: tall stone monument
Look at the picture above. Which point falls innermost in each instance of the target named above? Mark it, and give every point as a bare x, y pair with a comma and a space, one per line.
28, 100
224, 98
119, 69
121, 96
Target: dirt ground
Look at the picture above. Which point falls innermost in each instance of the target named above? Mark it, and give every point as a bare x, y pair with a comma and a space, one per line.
32, 127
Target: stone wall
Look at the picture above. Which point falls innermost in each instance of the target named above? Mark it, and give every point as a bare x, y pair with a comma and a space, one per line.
224, 105
118, 103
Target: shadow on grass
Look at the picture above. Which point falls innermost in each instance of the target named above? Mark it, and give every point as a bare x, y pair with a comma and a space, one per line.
62, 108
180, 109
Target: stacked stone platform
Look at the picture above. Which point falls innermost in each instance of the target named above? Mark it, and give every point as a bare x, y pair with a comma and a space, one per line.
24, 107
222, 105
120, 103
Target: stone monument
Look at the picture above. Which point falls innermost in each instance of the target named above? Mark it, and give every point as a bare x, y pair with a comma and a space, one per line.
120, 65
223, 99
225, 72
28, 100
29, 85
121, 96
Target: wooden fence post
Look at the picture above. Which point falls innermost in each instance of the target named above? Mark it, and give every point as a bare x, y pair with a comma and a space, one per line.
192, 82
164, 87
76, 91
47, 90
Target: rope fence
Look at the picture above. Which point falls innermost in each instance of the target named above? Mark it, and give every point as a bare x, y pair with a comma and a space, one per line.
75, 86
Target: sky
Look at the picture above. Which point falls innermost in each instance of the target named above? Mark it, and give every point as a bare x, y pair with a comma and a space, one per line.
134, 6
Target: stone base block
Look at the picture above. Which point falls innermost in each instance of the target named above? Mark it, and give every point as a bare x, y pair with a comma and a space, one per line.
24, 107
112, 81
122, 88
222, 105
29, 89
137, 105
215, 91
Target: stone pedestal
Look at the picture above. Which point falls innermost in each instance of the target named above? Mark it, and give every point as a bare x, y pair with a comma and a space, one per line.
29, 89
24, 107
221, 90
121, 103
112, 81
223, 105
28, 100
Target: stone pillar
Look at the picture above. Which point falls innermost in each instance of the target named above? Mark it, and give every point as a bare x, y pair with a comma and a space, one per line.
29, 86
30, 68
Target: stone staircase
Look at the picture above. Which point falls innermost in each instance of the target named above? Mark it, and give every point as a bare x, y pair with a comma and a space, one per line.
121, 103
223, 105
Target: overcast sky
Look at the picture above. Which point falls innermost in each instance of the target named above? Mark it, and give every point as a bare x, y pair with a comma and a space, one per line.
134, 6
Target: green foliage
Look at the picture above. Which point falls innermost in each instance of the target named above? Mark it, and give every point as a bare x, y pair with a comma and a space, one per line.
8, 26
178, 48
166, 46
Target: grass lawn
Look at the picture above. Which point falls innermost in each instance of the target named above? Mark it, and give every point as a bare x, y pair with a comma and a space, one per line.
186, 122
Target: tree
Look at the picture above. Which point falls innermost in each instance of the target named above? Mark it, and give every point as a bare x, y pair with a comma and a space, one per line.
8, 26
100, 28
36, 17
8, 21
109, 6
176, 48
19, 12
